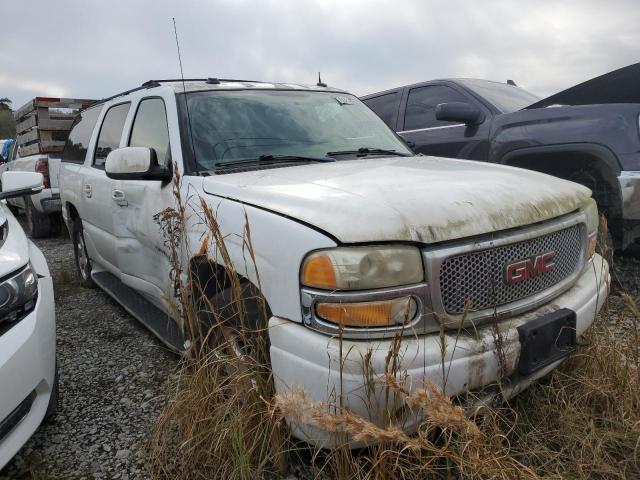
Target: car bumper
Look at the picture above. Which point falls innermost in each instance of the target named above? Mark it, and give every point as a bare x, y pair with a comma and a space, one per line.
302, 358
27, 371
47, 201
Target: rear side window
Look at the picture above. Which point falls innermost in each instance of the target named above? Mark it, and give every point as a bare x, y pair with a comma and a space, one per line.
385, 106
110, 133
422, 103
150, 128
75, 148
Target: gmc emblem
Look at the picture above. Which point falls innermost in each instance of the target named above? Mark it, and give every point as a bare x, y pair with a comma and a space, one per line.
522, 270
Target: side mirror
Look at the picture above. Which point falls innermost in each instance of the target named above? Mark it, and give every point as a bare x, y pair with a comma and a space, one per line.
459, 112
135, 163
19, 184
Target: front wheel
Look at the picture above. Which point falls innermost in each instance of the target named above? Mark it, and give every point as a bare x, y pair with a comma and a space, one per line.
83, 263
238, 321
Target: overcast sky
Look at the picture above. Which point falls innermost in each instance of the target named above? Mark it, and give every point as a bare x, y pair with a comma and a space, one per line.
93, 49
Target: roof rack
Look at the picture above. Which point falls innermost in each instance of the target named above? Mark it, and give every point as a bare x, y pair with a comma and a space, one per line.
207, 80
157, 83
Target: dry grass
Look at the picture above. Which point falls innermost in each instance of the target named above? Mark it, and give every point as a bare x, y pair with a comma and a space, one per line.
224, 421
217, 425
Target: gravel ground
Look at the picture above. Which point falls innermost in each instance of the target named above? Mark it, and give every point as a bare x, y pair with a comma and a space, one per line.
113, 376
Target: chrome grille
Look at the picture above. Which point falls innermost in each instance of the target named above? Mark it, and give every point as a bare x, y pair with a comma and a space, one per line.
476, 281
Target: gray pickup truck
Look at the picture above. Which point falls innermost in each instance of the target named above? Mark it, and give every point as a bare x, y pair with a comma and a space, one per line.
589, 133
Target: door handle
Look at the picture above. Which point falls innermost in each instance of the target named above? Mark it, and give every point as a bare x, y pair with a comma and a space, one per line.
87, 190
119, 197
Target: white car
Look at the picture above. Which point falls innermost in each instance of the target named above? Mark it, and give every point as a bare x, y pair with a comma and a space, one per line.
356, 240
28, 380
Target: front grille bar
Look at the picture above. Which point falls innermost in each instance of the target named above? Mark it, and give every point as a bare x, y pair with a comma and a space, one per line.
466, 279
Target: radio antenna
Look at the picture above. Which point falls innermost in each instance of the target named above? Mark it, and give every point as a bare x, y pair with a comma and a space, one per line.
320, 82
184, 94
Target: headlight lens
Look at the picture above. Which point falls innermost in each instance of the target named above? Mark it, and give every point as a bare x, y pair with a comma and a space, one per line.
361, 268
17, 294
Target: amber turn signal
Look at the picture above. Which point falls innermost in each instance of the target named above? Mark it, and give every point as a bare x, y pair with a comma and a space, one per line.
318, 271
369, 314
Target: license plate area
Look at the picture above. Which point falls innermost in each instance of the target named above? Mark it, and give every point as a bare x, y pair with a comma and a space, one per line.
546, 339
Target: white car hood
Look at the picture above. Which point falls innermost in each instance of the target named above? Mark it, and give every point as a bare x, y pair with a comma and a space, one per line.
14, 251
419, 199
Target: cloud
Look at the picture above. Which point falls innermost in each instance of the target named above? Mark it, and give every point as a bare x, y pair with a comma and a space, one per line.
29, 86
95, 49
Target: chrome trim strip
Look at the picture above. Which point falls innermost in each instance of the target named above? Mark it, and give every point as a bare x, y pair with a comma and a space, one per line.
424, 321
435, 256
433, 128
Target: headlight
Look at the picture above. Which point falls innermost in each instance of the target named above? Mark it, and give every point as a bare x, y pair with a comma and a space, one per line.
361, 268
18, 295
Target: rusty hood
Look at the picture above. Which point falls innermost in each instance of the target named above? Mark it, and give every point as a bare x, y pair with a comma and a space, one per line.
618, 86
417, 199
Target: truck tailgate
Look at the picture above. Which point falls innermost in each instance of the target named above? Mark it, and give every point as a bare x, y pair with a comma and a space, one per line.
54, 170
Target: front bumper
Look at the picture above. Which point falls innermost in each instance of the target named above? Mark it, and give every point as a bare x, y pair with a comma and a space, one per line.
630, 191
27, 371
470, 362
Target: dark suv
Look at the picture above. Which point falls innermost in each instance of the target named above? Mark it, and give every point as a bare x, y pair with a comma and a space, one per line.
588, 133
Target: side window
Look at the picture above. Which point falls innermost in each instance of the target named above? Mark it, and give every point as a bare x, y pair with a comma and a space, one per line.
385, 106
150, 128
75, 148
110, 133
422, 103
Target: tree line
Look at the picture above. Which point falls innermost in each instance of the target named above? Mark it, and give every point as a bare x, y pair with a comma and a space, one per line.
7, 123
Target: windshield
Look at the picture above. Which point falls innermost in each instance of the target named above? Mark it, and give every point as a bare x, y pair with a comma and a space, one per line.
506, 98
229, 126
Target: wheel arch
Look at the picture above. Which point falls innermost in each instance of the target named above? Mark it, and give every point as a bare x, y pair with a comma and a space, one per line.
592, 165
213, 278
69, 214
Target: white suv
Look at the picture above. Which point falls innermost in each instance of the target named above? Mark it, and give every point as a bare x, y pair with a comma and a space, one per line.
28, 380
356, 240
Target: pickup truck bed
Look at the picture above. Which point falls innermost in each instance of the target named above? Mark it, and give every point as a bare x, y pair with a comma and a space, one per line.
42, 127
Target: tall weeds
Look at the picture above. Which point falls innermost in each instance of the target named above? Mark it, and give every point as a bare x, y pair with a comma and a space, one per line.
224, 420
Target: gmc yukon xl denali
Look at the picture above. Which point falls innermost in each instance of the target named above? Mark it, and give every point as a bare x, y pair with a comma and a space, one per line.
356, 240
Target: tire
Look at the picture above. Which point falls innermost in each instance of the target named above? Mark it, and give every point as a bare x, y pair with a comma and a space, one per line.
56, 224
13, 209
39, 225
249, 338
54, 399
83, 262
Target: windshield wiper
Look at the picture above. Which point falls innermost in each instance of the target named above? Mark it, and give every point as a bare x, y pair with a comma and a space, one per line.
270, 160
364, 151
